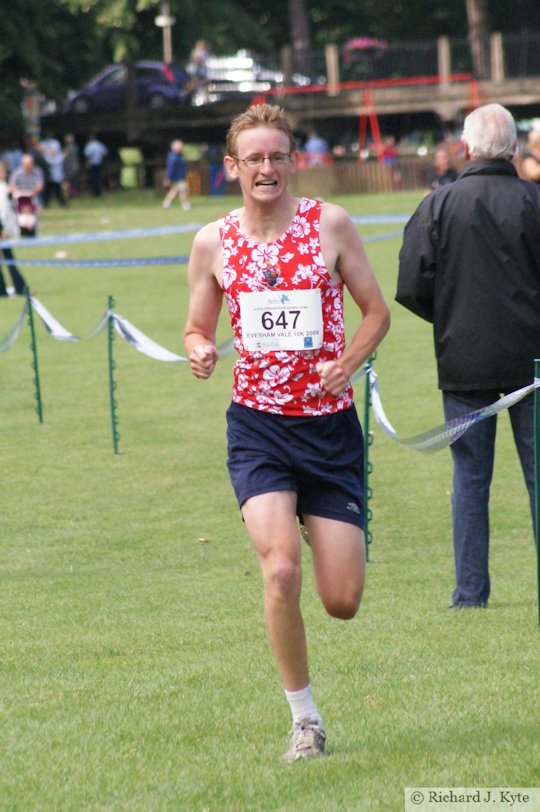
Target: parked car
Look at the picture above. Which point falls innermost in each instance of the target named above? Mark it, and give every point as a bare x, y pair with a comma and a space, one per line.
238, 75
228, 76
157, 84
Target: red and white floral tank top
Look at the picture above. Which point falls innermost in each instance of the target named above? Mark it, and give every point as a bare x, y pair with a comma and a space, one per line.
283, 381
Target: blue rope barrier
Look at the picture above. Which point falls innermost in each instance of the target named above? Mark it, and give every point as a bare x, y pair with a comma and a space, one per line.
138, 261
98, 263
161, 231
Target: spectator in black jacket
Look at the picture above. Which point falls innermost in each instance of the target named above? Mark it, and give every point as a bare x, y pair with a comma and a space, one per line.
470, 264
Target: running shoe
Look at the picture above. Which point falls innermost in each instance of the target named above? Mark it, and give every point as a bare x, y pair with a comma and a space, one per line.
307, 740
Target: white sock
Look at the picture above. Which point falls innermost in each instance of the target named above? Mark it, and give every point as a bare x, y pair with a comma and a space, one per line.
301, 704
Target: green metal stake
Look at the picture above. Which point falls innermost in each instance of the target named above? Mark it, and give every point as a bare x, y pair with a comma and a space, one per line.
112, 382
537, 478
368, 467
35, 366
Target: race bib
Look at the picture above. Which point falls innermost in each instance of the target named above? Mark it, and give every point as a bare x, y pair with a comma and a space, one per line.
284, 320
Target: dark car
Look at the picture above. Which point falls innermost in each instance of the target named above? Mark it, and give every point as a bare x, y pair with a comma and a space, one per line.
157, 84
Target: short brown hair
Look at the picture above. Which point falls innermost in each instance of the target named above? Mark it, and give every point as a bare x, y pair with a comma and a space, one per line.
259, 115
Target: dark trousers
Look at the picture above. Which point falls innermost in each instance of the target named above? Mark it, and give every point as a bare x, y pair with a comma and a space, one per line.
18, 281
473, 456
94, 177
53, 189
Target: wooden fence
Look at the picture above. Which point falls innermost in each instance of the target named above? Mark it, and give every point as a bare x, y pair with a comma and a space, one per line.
341, 177
355, 177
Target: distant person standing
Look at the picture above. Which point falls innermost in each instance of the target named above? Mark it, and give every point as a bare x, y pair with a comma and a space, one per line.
197, 68
316, 149
8, 230
390, 157
26, 184
27, 180
530, 165
470, 265
443, 173
71, 165
12, 156
176, 176
95, 153
53, 156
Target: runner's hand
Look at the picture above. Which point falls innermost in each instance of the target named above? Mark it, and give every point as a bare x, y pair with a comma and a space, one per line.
333, 379
203, 360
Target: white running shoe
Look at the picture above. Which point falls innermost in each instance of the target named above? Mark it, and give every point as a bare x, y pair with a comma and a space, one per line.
307, 740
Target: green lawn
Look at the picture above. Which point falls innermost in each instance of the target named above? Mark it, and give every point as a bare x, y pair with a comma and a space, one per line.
135, 670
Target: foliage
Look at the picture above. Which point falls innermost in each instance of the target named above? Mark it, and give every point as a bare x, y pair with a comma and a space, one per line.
62, 43
46, 43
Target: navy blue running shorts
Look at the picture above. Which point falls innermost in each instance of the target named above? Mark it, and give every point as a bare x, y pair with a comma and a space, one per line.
319, 458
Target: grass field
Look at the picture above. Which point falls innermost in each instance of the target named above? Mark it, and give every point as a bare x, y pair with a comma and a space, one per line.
135, 670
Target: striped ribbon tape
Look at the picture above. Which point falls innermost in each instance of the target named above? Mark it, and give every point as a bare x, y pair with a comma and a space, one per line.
444, 435
8, 342
135, 337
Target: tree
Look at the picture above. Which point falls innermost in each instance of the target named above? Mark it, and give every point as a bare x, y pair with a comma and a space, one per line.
43, 43
301, 35
60, 44
479, 29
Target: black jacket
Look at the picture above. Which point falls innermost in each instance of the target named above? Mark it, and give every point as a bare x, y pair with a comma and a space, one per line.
470, 264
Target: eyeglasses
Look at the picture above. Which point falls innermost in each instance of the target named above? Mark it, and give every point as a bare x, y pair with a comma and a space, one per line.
256, 161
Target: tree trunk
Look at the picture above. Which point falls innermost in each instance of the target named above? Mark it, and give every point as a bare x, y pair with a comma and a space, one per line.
478, 19
131, 87
301, 36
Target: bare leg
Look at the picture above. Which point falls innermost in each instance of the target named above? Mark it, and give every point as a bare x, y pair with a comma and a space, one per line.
183, 191
171, 194
271, 523
338, 553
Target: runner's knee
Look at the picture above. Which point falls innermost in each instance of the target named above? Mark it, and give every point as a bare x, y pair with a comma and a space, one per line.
282, 577
343, 605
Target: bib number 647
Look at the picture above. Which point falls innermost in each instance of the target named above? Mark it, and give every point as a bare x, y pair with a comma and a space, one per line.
269, 322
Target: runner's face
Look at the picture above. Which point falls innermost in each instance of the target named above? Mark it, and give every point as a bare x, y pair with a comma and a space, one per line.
268, 180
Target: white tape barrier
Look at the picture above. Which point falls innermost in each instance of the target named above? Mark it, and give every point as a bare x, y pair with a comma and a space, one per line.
123, 327
141, 342
8, 342
135, 337
430, 441
51, 324
444, 435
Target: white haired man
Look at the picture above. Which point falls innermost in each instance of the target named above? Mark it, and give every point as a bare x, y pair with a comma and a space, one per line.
470, 264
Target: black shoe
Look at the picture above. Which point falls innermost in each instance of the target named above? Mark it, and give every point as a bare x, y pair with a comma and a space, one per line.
462, 605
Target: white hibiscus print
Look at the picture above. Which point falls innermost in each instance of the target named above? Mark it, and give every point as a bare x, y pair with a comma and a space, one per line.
306, 204
313, 390
300, 227
275, 374
229, 277
264, 254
